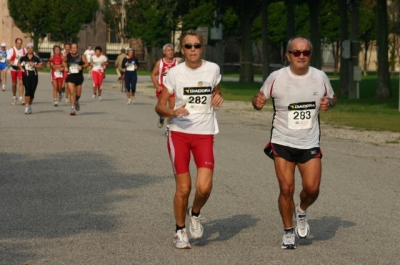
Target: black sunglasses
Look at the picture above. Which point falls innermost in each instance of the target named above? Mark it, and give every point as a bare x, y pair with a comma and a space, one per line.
189, 46
297, 53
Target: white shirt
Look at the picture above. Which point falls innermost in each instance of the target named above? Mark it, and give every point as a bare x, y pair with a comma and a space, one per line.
97, 62
194, 87
19, 53
296, 100
88, 54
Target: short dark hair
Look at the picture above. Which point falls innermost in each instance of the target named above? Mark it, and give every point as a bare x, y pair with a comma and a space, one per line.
98, 48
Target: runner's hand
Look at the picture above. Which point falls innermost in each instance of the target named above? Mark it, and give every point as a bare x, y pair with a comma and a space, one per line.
181, 111
259, 101
216, 100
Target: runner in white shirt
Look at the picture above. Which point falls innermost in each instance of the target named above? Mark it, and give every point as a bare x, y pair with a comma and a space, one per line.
89, 53
193, 125
299, 92
13, 56
97, 63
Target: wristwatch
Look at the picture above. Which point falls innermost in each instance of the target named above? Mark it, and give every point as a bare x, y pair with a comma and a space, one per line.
330, 102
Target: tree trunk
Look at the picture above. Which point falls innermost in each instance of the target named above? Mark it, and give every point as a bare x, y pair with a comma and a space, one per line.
383, 88
265, 45
344, 63
313, 6
246, 49
290, 24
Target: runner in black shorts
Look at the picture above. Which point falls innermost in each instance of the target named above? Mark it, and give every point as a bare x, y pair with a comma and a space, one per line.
75, 63
299, 93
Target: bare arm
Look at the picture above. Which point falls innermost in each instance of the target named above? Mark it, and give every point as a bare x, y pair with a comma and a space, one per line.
154, 75
162, 109
216, 99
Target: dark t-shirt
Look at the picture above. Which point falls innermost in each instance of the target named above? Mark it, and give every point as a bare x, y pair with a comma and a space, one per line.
29, 70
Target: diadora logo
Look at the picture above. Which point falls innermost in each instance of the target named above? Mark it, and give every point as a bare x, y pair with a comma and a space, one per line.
197, 90
302, 106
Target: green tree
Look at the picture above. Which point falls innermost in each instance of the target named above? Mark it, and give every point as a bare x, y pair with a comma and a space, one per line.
68, 18
247, 12
115, 16
32, 20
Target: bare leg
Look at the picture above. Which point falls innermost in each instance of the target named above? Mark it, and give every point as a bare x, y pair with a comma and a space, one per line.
285, 173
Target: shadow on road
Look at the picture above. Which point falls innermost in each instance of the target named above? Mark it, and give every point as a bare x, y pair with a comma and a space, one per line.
56, 196
325, 228
224, 229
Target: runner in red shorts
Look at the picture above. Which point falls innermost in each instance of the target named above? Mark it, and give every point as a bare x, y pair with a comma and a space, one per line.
57, 73
13, 56
192, 129
97, 63
158, 75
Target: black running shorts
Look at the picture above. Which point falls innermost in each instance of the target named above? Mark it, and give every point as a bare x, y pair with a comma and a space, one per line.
76, 79
292, 154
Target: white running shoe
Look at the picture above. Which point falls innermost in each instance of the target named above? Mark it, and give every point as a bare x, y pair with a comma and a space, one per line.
73, 112
160, 122
93, 96
77, 107
302, 228
3, 87
289, 240
195, 227
100, 98
30, 110
181, 239
66, 100
20, 101
26, 110
129, 101
55, 103
14, 100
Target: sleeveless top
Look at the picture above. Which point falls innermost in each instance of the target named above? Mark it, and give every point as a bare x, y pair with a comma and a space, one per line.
73, 63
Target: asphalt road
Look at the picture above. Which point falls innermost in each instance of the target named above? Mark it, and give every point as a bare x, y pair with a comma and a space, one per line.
97, 188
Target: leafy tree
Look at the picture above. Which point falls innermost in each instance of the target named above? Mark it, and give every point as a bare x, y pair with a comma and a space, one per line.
330, 29
247, 12
32, 20
368, 27
115, 16
67, 18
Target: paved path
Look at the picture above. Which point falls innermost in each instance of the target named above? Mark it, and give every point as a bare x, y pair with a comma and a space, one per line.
97, 188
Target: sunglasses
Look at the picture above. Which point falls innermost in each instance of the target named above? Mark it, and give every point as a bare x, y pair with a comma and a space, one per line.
189, 46
297, 53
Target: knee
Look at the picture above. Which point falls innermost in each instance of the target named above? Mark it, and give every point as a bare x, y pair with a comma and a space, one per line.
183, 190
204, 190
287, 190
312, 190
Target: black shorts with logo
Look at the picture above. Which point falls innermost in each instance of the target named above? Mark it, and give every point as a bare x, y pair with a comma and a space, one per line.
292, 154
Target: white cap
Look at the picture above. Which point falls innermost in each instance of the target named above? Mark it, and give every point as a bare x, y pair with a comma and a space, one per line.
30, 44
3, 44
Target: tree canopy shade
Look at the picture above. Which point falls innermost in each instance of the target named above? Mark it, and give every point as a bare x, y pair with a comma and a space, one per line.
32, 20
68, 17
